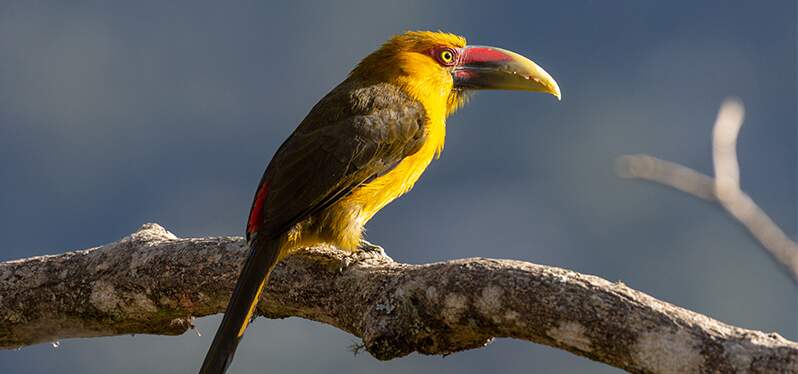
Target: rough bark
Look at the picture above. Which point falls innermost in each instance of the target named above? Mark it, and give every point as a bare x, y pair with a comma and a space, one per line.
153, 282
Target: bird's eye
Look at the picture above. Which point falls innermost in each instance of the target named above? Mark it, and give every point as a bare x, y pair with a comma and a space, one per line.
446, 57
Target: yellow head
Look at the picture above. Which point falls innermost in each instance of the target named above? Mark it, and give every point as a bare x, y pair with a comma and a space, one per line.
439, 69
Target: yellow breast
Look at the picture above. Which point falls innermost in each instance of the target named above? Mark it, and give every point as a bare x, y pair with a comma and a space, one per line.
433, 92
381, 191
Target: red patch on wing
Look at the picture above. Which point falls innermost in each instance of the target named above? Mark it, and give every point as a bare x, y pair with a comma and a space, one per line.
256, 214
483, 54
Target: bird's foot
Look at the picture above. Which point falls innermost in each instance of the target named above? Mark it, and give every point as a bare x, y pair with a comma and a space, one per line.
366, 247
365, 251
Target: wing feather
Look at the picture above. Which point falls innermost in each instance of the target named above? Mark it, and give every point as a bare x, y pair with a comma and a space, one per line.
352, 136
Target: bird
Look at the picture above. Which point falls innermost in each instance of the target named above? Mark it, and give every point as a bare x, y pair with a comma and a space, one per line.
360, 147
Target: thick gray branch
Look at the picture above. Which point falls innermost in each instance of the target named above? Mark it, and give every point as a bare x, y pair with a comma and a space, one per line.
153, 282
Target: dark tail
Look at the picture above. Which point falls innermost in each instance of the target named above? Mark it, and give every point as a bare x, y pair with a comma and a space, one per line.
263, 255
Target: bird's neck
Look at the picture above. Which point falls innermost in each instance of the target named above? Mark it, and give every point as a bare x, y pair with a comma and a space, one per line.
433, 97
422, 81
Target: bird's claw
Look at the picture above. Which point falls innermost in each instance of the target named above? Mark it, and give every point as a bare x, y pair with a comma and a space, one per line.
365, 251
367, 247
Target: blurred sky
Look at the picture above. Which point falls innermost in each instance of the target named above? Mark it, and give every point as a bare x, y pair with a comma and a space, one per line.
112, 115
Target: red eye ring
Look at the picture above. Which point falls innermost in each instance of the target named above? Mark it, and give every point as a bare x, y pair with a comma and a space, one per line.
444, 55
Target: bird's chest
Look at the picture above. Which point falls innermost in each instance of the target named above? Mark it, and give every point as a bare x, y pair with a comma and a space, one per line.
375, 195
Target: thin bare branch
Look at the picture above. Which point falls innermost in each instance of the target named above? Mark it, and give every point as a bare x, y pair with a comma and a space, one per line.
724, 188
724, 145
153, 282
668, 173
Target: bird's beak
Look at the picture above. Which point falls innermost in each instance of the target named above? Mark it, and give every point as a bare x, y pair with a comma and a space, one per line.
491, 68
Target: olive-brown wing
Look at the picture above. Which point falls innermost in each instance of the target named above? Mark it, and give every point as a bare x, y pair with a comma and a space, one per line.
314, 169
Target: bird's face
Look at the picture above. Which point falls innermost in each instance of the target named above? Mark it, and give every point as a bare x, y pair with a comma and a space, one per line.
481, 68
436, 65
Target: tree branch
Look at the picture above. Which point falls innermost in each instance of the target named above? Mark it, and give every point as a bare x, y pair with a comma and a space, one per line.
724, 188
153, 282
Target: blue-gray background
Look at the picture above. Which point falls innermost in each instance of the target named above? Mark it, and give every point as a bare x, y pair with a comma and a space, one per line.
112, 115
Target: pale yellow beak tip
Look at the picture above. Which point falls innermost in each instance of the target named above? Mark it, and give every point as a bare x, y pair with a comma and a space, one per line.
549, 84
556, 92
552, 86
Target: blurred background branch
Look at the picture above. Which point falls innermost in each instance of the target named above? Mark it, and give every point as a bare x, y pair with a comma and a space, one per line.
155, 283
724, 188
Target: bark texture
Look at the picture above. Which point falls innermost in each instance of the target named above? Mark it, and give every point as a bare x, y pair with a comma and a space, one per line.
153, 282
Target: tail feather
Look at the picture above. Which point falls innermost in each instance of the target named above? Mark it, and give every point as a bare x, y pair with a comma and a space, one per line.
262, 258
